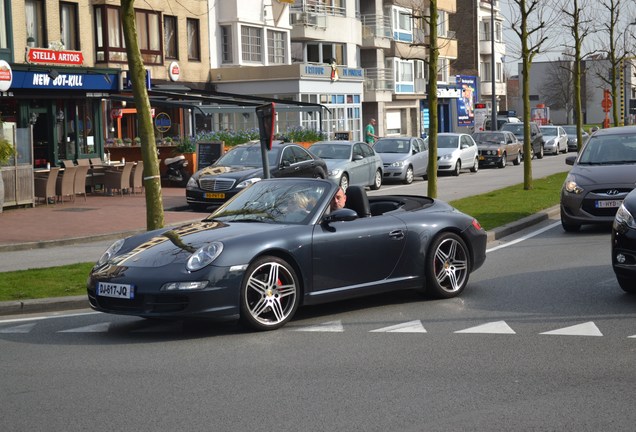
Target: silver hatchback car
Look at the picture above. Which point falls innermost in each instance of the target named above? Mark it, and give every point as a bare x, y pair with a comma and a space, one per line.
602, 175
403, 157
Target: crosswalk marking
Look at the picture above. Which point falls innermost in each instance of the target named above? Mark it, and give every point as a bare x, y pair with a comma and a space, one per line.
330, 326
407, 327
497, 327
585, 329
24, 328
95, 328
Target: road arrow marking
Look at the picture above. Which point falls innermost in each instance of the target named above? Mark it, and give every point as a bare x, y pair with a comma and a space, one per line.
407, 327
330, 326
497, 327
585, 329
24, 328
95, 328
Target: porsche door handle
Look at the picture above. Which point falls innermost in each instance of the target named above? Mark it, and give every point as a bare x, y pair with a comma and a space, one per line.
396, 234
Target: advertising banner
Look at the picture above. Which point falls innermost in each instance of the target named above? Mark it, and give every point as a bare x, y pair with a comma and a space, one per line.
466, 103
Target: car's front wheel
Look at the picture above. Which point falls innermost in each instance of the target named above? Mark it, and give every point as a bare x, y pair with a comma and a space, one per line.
457, 169
344, 182
377, 180
447, 266
569, 226
270, 294
408, 178
540, 154
504, 161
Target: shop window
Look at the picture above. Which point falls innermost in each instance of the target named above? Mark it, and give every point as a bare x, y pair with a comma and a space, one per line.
109, 37
251, 42
170, 41
226, 44
276, 47
69, 26
194, 45
35, 22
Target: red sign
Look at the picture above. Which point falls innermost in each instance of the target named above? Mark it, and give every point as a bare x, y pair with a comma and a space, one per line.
606, 103
116, 113
42, 55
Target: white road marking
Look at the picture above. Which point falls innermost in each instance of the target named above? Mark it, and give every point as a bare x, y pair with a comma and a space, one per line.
407, 327
24, 328
497, 327
95, 328
526, 237
585, 329
53, 315
330, 326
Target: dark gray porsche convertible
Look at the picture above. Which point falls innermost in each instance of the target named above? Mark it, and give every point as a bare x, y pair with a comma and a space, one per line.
278, 245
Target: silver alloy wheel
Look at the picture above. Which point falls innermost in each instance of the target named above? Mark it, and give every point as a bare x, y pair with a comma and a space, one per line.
270, 294
344, 182
408, 178
448, 266
377, 180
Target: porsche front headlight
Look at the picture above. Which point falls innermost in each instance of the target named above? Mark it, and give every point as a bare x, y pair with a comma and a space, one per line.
204, 256
110, 252
624, 217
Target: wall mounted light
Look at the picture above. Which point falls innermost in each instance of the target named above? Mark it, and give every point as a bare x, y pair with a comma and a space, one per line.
30, 41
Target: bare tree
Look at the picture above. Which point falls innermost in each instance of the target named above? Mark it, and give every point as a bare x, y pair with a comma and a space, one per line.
531, 28
557, 90
151, 177
579, 25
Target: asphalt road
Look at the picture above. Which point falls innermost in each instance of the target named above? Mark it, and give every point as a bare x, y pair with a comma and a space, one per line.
542, 339
449, 188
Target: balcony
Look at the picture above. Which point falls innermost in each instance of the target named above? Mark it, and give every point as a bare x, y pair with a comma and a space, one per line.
376, 31
378, 84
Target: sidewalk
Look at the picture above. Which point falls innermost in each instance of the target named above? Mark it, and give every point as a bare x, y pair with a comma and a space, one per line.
98, 218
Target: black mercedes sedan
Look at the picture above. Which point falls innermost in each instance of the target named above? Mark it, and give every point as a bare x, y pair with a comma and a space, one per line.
624, 244
243, 166
283, 243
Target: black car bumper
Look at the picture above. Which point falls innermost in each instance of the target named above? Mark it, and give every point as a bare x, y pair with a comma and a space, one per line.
624, 251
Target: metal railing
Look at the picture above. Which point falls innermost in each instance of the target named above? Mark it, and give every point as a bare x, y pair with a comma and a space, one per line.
378, 79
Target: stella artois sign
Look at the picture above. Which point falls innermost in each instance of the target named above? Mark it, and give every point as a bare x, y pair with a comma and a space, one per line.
49, 56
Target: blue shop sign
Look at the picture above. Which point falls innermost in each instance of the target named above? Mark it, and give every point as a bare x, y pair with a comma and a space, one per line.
48, 80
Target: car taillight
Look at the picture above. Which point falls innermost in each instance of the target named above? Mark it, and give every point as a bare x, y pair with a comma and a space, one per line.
477, 225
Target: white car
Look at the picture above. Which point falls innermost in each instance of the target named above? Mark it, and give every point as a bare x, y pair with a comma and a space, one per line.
456, 151
555, 139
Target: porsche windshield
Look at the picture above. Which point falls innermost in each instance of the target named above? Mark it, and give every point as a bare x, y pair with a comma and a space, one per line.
247, 156
275, 202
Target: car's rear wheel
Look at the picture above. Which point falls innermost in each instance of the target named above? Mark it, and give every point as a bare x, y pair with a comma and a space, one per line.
458, 167
517, 160
627, 284
344, 182
408, 178
447, 266
540, 154
270, 294
377, 180
504, 161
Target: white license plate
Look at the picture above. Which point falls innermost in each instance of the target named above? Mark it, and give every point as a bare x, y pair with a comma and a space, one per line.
122, 291
608, 204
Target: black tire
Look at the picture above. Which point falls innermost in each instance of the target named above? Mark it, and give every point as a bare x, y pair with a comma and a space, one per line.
270, 294
344, 182
504, 161
377, 180
475, 167
517, 160
458, 167
447, 266
569, 226
540, 154
408, 178
627, 284
320, 174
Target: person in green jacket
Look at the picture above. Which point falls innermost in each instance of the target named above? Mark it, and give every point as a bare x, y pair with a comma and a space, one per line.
369, 132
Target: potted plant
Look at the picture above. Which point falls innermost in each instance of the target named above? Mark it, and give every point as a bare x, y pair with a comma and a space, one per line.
6, 153
127, 142
187, 148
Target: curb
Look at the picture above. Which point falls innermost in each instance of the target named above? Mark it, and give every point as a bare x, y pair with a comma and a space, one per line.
81, 302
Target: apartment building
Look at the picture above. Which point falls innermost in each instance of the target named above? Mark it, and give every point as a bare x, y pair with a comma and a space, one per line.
479, 27
62, 62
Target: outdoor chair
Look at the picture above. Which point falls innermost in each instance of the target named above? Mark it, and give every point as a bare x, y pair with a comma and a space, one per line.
79, 187
118, 179
137, 177
67, 163
65, 184
44, 184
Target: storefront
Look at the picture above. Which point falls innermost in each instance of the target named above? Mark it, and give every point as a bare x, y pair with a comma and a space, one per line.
66, 105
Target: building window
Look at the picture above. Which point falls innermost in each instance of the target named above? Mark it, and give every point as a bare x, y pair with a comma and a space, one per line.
35, 21
498, 32
170, 42
442, 70
3, 28
226, 44
194, 47
109, 37
499, 72
402, 24
276, 44
486, 71
403, 74
69, 26
251, 42
326, 52
442, 23
484, 31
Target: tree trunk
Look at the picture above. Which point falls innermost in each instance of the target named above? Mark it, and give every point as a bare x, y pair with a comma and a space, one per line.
151, 177
432, 103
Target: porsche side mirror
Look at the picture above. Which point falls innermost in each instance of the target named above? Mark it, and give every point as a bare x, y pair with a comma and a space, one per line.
340, 215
